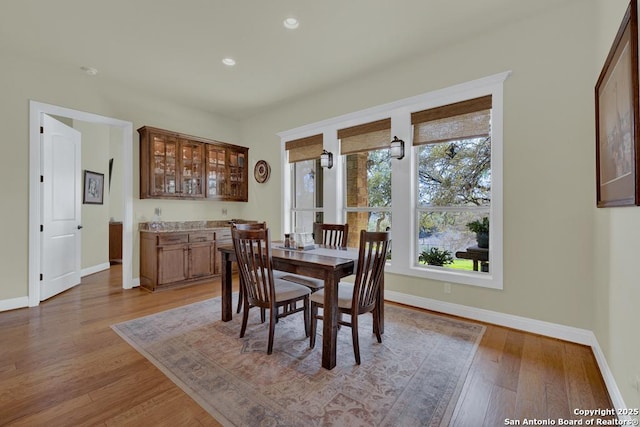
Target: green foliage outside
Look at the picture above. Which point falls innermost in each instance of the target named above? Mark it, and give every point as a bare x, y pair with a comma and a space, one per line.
436, 256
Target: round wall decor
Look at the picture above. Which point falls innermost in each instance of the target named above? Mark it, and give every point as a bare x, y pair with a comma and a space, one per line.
262, 171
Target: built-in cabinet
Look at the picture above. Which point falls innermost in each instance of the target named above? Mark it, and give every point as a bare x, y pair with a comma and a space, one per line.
170, 259
178, 166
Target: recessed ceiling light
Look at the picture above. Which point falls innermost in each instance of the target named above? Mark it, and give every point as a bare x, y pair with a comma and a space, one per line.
291, 23
89, 70
230, 62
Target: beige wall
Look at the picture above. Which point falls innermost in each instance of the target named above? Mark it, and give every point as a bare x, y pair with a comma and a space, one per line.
23, 79
548, 152
616, 249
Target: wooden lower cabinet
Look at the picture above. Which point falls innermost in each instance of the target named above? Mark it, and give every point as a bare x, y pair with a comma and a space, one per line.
169, 259
201, 260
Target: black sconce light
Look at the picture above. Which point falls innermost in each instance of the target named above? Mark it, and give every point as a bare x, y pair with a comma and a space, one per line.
397, 148
326, 159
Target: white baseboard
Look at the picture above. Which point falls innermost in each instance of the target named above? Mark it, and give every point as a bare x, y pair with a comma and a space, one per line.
14, 303
95, 269
553, 330
607, 375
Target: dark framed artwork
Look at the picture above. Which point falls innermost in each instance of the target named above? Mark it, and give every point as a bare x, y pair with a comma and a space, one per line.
617, 119
93, 188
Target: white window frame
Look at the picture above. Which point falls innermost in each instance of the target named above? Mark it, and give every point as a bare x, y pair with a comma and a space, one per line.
403, 176
293, 210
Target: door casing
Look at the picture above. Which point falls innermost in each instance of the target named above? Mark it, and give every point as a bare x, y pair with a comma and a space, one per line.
36, 110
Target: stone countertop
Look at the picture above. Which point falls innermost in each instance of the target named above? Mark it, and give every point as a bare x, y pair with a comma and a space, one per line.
172, 226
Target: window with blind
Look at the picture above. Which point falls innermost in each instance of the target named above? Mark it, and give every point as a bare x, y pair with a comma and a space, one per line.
306, 182
452, 146
367, 184
451, 175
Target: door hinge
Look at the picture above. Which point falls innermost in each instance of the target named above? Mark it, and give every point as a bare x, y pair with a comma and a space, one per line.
41, 277
41, 178
41, 228
41, 129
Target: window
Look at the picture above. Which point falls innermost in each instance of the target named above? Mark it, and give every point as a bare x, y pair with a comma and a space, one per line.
453, 179
306, 182
367, 177
450, 176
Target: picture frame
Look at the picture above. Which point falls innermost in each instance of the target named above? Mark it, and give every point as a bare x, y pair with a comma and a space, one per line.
93, 188
618, 118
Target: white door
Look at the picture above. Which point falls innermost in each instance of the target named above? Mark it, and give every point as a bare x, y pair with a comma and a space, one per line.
61, 207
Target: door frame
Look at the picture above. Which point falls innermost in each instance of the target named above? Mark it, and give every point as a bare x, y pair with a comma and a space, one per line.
36, 109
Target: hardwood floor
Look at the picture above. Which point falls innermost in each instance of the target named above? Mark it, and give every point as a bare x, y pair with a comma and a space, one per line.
62, 365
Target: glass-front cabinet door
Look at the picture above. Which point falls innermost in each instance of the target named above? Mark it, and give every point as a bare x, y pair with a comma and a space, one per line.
164, 179
192, 156
216, 171
237, 165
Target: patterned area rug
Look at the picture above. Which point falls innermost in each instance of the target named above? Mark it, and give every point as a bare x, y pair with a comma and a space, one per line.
413, 378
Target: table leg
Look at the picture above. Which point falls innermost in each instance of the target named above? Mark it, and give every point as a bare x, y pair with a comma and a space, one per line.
330, 322
226, 282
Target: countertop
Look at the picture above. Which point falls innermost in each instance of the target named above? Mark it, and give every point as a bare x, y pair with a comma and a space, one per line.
173, 226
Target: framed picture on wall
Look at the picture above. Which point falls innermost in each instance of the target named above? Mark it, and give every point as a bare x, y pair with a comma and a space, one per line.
93, 188
617, 119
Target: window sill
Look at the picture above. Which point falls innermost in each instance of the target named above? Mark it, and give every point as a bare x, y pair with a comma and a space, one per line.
484, 280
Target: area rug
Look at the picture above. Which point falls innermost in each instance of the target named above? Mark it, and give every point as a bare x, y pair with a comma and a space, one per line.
413, 378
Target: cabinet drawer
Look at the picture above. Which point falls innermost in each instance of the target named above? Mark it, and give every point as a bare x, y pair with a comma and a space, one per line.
223, 234
172, 238
201, 236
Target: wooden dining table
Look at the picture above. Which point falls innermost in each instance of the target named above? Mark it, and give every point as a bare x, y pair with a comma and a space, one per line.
327, 263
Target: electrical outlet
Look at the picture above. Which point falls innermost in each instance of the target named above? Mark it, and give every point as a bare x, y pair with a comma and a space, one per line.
224, 211
447, 288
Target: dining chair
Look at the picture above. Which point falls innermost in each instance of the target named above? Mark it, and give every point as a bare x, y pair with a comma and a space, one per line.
261, 288
331, 234
361, 296
252, 226
334, 235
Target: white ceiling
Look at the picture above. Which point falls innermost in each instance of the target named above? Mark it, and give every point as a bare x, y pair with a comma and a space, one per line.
174, 48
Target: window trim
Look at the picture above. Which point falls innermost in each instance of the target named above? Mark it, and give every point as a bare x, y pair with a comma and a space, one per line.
403, 176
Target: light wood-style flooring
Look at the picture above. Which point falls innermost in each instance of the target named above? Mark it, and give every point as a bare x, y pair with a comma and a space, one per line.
62, 365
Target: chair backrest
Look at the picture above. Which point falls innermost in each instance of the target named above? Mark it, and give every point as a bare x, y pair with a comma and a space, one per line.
253, 252
331, 234
372, 257
251, 226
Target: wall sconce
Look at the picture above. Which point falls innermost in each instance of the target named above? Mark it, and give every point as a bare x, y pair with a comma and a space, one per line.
397, 148
326, 159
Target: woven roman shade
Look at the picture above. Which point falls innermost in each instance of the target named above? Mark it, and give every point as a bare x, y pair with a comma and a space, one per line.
462, 120
365, 137
307, 148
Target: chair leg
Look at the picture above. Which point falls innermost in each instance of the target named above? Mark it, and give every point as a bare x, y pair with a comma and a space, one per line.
354, 334
376, 325
240, 298
245, 317
314, 325
306, 316
272, 327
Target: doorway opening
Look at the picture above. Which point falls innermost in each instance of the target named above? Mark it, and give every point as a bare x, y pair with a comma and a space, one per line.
36, 111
